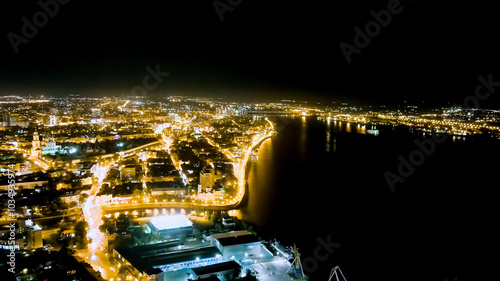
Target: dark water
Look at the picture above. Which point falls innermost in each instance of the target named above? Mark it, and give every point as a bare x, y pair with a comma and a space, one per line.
317, 179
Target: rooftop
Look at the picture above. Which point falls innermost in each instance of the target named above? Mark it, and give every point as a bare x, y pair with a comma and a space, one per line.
170, 222
235, 238
214, 268
146, 258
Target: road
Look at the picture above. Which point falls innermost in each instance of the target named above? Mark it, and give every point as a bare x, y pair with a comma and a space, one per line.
93, 211
112, 208
99, 261
142, 147
93, 214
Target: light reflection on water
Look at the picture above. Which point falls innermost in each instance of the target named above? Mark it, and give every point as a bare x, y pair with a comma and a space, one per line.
281, 158
262, 179
259, 175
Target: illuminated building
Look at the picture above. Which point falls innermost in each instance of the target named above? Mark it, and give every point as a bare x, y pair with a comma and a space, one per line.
170, 222
128, 171
52, 120
27, 236
51, 147
207, 179
85, 168
11, 120
21, 185
220, 259
36, 149
241, 138
167, 187
171, 226
96, 112
34, 237
153, 261
196, 132
73, 196
238, 245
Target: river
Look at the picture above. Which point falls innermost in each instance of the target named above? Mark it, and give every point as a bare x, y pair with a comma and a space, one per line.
318, 181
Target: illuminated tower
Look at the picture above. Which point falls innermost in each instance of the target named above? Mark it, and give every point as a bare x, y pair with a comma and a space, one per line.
36, 149
207, 179
52, 120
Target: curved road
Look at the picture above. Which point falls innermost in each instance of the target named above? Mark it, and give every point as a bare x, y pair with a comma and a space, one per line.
240, 174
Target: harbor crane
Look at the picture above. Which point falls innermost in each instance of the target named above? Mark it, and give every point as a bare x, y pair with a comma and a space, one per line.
334, 273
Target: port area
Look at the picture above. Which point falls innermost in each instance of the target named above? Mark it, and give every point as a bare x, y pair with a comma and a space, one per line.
275, 269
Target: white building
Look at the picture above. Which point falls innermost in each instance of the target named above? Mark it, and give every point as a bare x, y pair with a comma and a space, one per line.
52, 120
51, 147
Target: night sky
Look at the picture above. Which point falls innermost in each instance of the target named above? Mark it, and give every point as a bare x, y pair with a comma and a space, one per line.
260, 51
